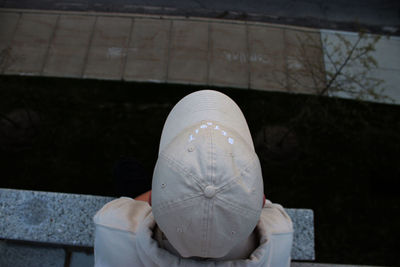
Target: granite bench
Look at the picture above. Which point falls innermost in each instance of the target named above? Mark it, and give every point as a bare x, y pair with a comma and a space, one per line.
65, 220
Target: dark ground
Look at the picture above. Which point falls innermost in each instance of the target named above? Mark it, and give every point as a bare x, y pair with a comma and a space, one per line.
342, 159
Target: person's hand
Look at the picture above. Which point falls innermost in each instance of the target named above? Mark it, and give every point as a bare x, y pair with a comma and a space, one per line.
146, 197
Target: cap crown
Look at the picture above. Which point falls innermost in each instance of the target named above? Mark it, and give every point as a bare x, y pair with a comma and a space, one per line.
207, 190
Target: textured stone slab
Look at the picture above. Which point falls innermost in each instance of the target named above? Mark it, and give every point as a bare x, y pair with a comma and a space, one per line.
305, 43
107, 53
305, 61
30, 44
65, 61
81, 259
105, 63
387, 55
303, 238
35, 29
391, 83
68, 50
112, 32
304, 76
228, 55
56, 218
188, 52
66, 219
148, 51
267, 58
309, 264
387, 49
25, 60
12, 255
8, 23
74, 30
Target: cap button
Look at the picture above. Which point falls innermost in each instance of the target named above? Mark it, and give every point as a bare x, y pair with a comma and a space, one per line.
209, 191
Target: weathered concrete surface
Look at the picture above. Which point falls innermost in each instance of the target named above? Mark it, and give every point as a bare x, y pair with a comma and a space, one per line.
147, 57
188, 59
267, 58
30, 43
137, 48
224, 53
229, 55
69, 46
108, 48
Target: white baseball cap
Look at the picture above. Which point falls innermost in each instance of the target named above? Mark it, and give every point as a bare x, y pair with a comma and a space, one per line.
207, 191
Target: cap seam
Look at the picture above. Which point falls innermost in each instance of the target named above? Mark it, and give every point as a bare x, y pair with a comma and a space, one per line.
210, 203
231, 202
206, 207
204, 230
171, 204
209, 229
213, 158
209, 147
177, 165
228, 183
240, 210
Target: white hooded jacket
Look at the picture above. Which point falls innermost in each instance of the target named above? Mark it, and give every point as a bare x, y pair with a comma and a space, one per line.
124, 236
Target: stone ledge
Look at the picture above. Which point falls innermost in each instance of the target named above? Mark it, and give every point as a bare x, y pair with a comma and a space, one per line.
303, 238
12, 255
66, 220
44, 217
308, 264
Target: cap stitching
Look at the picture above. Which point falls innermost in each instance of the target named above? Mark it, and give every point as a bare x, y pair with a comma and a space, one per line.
172, 204
208, 240
161, 208
246, 166
210, 203
239, 210
221, 188
213, 158
229, 184
236, 204
181, 168
204, 230
208, 157
204, 241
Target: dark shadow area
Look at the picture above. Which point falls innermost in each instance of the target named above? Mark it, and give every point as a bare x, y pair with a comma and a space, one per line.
339, 159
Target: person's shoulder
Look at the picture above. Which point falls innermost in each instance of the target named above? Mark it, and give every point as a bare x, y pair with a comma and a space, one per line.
276, 219
123, 214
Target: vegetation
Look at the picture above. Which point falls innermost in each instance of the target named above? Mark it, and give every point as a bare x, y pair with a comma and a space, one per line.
346, 72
